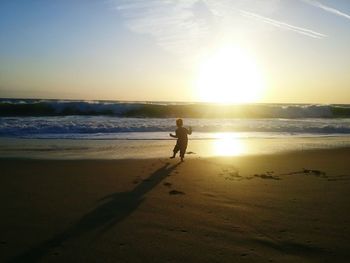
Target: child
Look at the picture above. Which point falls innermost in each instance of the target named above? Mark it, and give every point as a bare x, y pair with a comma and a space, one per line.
181, 143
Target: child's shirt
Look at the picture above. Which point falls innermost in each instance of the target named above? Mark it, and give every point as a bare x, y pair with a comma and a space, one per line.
181, 134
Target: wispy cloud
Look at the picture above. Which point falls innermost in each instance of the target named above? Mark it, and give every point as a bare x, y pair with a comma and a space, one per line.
327, 8
187, 26
283, 25
175, 25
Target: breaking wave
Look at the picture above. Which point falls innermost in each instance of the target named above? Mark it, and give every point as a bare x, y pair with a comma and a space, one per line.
32, 107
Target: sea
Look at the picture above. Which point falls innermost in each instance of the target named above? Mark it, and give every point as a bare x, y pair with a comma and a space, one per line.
37, 128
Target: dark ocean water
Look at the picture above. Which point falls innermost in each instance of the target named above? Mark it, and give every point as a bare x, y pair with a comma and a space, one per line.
153, 120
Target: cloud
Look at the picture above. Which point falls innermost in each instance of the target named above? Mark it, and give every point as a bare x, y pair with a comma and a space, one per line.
177, 26
327, 8
224, 8
283, 25
188, 26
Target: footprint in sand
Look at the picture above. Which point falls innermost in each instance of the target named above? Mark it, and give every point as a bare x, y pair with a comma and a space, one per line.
233, 176
314, 172
167, 184
305, 171
267, 176
339, 178
176, 192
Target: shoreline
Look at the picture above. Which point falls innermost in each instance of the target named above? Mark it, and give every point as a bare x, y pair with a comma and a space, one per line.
148, 149
187, 156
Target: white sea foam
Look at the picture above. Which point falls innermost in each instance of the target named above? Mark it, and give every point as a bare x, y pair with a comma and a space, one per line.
107, 127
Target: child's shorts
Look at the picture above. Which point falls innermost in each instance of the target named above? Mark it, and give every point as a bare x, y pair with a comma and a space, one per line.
182, 148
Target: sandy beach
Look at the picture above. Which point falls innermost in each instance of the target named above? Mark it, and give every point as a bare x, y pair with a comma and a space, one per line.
289, 207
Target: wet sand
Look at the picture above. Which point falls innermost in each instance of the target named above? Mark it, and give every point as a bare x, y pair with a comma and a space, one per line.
290, 207
228, 145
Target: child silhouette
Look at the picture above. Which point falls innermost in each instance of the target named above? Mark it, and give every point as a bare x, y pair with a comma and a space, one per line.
182, 139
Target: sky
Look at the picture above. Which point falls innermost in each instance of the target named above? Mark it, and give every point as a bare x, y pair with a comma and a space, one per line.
156, 50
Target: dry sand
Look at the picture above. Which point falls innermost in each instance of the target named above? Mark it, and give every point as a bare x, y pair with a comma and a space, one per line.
291, 207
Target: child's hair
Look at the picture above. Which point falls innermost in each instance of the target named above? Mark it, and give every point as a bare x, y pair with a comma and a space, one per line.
179, 122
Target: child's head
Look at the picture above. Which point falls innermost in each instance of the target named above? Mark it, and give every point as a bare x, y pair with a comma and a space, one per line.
179, 122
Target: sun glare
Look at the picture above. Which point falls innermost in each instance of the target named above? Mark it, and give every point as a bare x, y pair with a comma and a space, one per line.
229, 76
227, 144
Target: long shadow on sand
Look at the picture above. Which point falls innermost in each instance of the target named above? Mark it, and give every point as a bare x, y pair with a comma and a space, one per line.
113, 209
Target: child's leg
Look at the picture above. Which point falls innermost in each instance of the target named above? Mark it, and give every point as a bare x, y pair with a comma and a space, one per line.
176, 149
182, 152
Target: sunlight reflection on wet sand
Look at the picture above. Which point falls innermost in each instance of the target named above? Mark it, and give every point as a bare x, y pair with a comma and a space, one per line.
227, 144
222, 144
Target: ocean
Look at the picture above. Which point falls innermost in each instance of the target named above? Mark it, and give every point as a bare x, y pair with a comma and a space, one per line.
37, 128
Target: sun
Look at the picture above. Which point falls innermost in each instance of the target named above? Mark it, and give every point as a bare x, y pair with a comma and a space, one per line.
229, 76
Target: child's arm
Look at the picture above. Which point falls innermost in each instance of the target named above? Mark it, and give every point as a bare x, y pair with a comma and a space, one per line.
189, 131
174, 136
